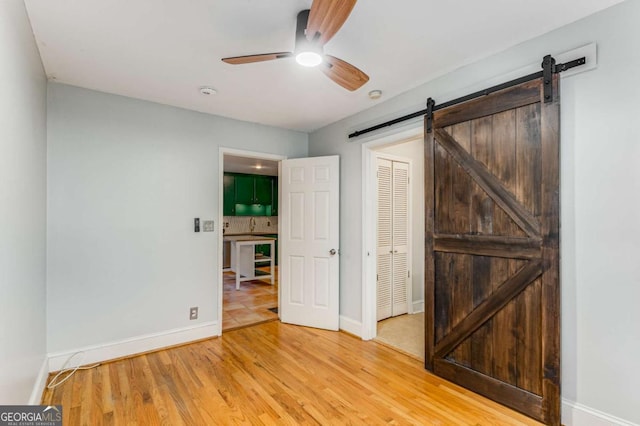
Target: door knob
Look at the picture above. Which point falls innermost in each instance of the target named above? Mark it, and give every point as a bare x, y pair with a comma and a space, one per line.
332, 252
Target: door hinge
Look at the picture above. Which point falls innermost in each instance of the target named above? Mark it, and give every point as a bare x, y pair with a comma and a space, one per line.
377, 277
408, 274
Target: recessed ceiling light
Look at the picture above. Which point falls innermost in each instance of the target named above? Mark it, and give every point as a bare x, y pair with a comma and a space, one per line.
206, 90
375, 94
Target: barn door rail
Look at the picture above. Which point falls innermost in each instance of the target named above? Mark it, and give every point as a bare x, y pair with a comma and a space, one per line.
549, 67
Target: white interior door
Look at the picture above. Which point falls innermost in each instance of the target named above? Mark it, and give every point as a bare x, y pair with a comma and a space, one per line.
384, 236
400, 238
309, 237
392, 268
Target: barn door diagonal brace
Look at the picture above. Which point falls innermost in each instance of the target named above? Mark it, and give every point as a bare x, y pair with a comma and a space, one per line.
549, 67
490, 184
505, 293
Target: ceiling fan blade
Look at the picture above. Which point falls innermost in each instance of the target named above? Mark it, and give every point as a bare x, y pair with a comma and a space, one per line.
326, 18
238, 60
343, 73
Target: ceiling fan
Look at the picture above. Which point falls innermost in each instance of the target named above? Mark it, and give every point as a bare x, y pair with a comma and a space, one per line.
315, 27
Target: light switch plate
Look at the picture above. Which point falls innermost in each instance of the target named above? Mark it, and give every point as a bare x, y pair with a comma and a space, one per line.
207, 226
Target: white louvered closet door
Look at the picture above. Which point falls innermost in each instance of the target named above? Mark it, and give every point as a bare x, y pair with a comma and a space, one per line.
385, 240
392, 238
400, 238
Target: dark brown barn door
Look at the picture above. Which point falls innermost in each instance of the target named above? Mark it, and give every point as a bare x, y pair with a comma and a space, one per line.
492, 285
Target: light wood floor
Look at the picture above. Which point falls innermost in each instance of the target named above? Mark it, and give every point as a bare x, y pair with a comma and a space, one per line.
250, 304
272, 373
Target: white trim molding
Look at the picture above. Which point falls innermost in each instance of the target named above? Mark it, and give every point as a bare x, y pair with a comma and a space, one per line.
351, 326
135, 345
576, 414
369, 222
40, 384
417, 307
222, 151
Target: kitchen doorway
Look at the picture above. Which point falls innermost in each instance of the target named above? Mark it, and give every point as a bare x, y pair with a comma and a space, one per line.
248, 218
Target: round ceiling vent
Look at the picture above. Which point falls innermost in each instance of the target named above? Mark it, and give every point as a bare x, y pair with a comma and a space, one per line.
375, 94
205, 90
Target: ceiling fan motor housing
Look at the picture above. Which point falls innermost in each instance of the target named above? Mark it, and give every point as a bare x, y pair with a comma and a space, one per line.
304, 43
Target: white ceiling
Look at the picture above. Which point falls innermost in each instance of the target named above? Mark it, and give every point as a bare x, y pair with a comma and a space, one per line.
252, 166
163, 51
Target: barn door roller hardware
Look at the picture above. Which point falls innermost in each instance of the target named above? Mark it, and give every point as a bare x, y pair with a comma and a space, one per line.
549, 67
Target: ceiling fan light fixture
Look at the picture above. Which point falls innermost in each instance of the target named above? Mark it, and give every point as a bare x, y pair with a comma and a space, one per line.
314, 28
309, 58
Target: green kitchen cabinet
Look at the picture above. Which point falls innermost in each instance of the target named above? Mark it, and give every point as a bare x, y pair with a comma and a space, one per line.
245, 189
263, 190
253, 189
250, 195
274, 200
229, 195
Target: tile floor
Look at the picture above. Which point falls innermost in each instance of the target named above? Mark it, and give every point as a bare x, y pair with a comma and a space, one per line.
249, 305
404, 332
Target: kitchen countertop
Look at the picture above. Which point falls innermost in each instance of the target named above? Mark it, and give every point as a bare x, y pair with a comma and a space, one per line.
245, 237
250, 233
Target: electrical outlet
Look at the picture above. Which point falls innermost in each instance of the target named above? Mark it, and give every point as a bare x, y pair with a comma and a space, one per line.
193, 313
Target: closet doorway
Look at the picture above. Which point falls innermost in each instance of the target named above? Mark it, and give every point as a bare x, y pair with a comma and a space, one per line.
393, 312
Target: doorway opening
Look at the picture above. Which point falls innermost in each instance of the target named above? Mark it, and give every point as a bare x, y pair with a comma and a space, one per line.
248, 218
393, 290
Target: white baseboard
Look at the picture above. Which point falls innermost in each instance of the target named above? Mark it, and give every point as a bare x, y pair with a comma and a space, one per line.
576, 414
351, 326
134, 345
41, 382
417, 307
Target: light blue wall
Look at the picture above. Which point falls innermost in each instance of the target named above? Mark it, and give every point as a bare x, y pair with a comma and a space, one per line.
600, 202
23, 186
126, 178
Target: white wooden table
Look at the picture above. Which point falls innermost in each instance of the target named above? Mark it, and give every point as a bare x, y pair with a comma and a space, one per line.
243, 258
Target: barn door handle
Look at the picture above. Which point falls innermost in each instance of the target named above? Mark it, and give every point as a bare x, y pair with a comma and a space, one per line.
332, 252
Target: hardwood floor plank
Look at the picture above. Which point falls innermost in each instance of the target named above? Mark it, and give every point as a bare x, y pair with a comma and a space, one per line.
67, 398
270, 374
86, 398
